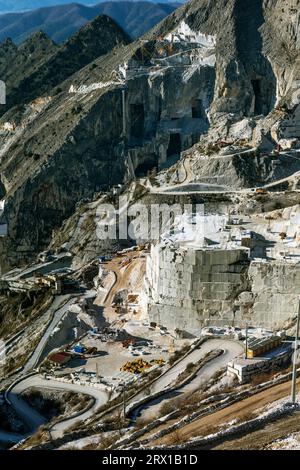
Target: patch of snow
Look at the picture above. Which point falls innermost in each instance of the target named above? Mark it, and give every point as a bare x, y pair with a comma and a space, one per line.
8, 126
291, 442
225, 381
81, 443
229, 423
85, 89
277, 405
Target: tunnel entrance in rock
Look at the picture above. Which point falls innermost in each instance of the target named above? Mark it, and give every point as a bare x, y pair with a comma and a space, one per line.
159, 111
144, 168
174, 147
198, 111
137, 120
258, 98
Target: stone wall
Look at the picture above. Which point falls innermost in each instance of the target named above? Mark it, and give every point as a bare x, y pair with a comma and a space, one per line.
160, 101
245, 371
290, 127
188, 289
275, 287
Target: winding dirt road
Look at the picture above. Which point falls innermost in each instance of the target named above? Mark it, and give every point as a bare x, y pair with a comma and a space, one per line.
231, 350
237, 411
34, 419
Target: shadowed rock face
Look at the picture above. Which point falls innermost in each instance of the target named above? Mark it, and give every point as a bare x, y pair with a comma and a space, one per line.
16, 63
255, 40
242, 69
76, 168
38, 64
70, 142
249, 80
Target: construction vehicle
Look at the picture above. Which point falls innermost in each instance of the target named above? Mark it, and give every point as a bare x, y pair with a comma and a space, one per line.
127, 342
261, 191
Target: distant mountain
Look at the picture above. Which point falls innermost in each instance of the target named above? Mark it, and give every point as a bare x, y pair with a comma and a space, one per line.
25, 5
61, 22
38, 65
22, 5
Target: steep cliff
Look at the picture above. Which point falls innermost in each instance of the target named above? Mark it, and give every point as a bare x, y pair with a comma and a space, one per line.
193, 77
20, 62
39, 65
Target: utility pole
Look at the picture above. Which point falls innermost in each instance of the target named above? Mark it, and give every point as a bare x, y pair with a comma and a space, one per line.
294, 377
246, 332
124, 112
124, 402
229, 215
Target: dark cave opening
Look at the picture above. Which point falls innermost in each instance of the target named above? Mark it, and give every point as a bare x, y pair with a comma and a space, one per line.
174, 147
137, 120
258, 98
198, 111
159, 111
144, 168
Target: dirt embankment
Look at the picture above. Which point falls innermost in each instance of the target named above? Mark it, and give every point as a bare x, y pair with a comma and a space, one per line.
241, 411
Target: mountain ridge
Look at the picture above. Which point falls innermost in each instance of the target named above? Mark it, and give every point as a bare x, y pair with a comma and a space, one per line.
40, 65
11, 6
80, 129
62, 21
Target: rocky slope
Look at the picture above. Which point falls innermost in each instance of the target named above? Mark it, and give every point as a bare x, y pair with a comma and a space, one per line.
62, 21
16, 63
195, 77
39, 65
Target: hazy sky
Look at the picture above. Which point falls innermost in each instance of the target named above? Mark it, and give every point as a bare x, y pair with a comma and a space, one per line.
21, 5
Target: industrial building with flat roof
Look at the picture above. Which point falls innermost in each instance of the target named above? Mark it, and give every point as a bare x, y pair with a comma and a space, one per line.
258, 346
